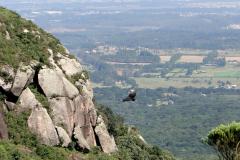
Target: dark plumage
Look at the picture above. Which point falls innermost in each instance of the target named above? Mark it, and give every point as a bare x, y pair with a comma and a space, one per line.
131, 96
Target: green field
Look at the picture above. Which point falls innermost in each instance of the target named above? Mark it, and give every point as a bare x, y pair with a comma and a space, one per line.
227, 74
205, 76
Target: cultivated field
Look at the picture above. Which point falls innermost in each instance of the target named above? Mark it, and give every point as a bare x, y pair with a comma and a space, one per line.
164, 58
232, 58
206, 76
191, 59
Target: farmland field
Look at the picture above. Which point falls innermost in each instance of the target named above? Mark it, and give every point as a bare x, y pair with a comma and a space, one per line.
206, 76
191, 59
233, 58
165, 59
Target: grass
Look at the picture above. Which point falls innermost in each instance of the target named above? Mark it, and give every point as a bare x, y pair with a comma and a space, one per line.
24, 46
18, 130
40, 97
228, 74
208, 76
154, 83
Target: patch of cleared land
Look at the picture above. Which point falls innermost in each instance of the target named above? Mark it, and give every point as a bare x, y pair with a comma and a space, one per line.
165, 59
206, 76
232, 58
124, 63
191, 59
98, 85
177, 72
229, 71
154, 83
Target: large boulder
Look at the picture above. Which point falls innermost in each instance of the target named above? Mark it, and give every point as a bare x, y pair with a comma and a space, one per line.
27, 100
63, 136
89, 88
41, 124
86, 88
63, 113
3, 128
6, 77
5, 85
107, 142
81, 140
70, 66
10, 105
91, 111
82, 119
56, 85
22, 78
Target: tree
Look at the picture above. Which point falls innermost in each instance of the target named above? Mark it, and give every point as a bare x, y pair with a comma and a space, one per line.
225, 139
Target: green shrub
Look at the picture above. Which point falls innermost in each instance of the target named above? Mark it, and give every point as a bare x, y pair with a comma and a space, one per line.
18, 129
3, 153
52, 153
131, 147
226, 140
84, 75
115, 123
40, 97
24, 46
9, 151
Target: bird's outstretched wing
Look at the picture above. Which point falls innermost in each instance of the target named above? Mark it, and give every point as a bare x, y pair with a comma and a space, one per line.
131, 96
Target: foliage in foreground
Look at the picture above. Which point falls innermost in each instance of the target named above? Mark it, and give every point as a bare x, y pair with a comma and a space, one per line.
225, 139
18, 130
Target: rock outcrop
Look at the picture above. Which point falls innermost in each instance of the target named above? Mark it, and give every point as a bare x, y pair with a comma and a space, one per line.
62, 111
56, 85
3, 128
22, 78
69, 110
64, 138
27, 100
41, 124
107, 142
69, 66
6, 77
38, 75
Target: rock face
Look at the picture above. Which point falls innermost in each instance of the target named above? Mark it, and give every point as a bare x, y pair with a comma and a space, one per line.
63, 137
6, 78
22, 78
61, 106
62, 113
69, 66
27, 100
107, 142
41, 124
56, 85
44, 79
3, 128
81, 140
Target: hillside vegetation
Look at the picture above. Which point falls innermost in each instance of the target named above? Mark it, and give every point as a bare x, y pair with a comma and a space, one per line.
21, 42
23, 145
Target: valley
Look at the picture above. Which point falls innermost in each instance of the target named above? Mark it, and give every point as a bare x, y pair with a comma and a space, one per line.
183, 57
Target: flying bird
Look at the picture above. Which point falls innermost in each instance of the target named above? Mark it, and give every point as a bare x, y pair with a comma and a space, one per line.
131, 95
